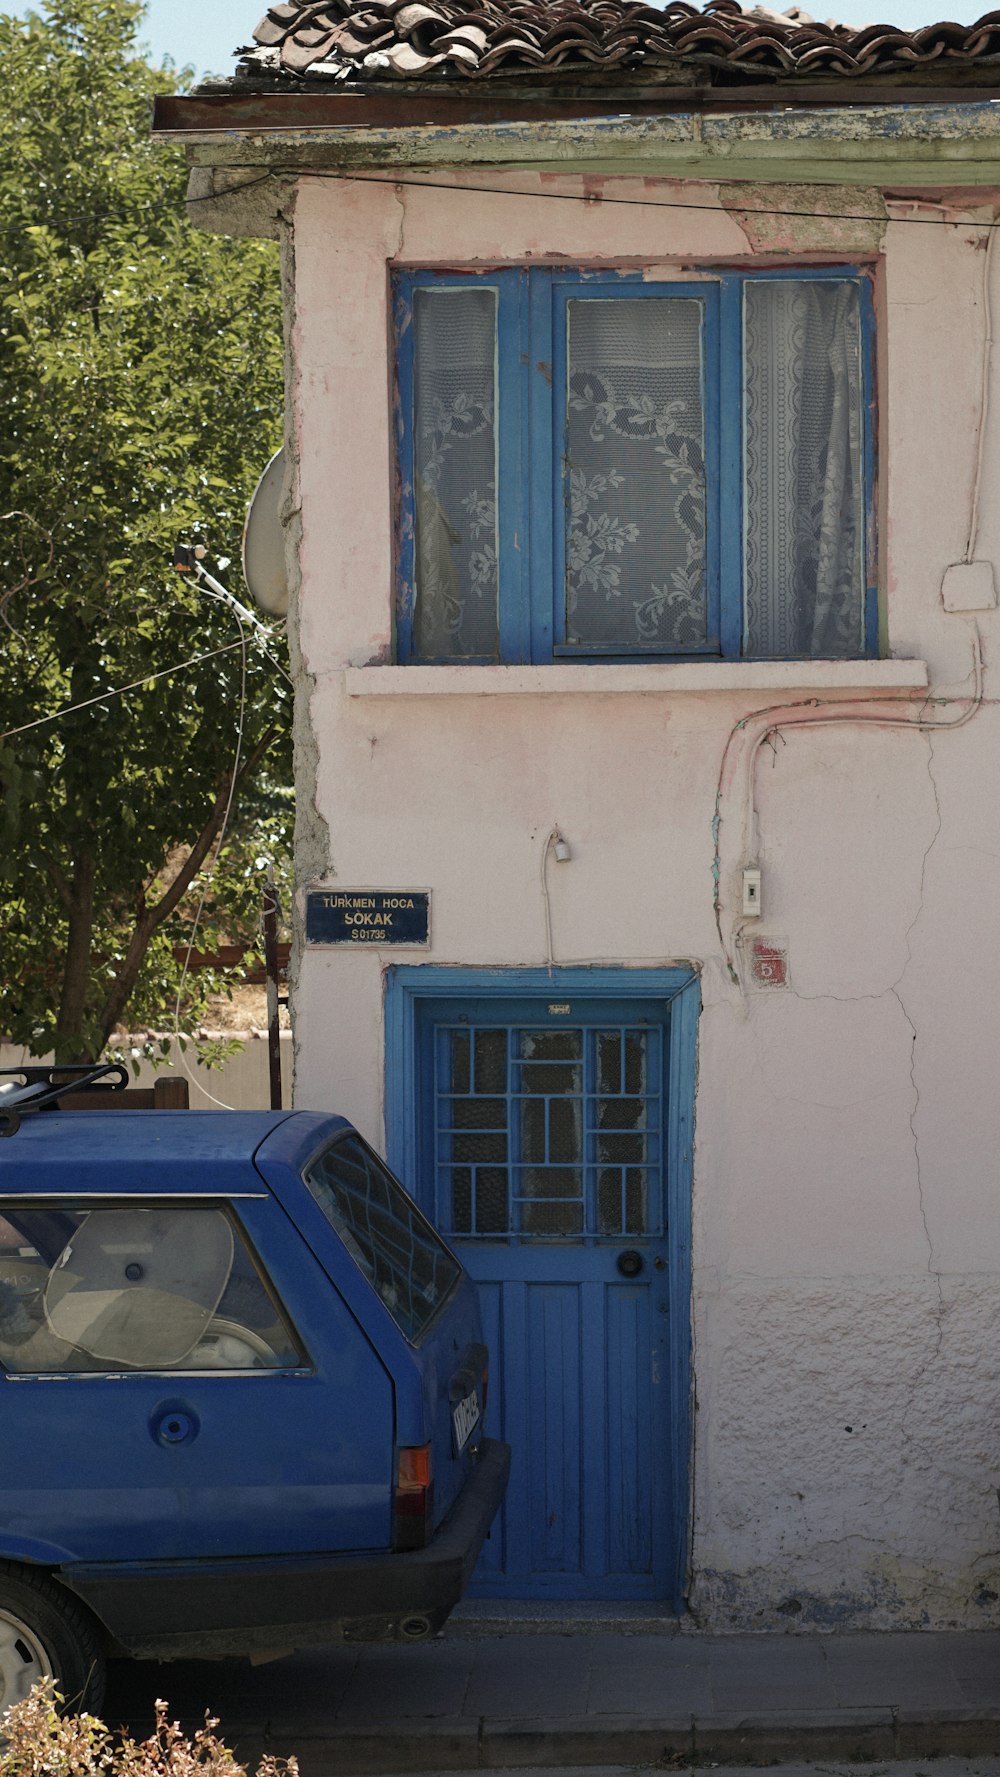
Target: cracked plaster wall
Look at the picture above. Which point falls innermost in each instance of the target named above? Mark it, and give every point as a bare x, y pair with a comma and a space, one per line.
846, 1236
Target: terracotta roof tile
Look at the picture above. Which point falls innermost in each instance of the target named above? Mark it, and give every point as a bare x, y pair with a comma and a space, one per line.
358, 39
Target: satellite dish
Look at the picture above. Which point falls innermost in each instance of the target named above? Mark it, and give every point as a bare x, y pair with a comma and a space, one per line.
264, 542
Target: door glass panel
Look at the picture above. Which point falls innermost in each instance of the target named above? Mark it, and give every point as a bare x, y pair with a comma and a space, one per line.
491, 1060
635, 454
549, 1133
472, 1121
549, 1086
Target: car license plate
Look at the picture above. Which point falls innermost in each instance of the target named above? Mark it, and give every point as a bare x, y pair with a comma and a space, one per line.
464, 1419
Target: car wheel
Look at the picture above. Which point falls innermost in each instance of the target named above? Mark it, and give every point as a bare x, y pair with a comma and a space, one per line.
44, 1633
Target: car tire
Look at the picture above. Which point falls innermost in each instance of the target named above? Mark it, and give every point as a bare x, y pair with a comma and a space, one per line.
45, 1633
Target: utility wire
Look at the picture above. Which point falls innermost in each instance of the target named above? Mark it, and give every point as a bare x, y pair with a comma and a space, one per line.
62, 222
597, 199
590, 200
213, 866
120, 691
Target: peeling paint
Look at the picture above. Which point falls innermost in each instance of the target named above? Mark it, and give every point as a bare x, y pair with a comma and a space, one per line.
312, 836
884, 145
752, 205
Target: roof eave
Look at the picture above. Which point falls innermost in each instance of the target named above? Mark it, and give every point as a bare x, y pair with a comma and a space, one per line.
937, 140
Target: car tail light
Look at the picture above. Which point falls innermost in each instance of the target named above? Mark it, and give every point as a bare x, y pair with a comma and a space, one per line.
413, 1501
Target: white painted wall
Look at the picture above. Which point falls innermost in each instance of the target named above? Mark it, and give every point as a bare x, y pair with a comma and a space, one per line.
846, 1231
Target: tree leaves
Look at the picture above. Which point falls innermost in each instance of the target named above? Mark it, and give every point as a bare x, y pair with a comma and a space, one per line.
140, 396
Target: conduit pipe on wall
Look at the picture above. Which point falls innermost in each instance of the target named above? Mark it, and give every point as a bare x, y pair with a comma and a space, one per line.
846, 713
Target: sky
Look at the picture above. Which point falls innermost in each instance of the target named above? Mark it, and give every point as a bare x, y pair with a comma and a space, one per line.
205, 32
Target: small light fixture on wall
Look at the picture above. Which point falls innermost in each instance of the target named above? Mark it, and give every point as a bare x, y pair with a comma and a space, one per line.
561, 847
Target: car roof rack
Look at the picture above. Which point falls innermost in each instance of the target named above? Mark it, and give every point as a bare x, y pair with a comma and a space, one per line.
41, 1088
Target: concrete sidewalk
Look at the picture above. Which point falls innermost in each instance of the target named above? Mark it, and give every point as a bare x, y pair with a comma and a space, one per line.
465, 1702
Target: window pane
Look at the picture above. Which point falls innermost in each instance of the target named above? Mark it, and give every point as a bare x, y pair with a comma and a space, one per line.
635, 522
454, 346
134, 1288
803, 469
404, 1259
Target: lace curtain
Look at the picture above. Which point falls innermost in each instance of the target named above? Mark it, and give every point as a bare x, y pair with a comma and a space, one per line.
455, 611
634, 448
635, 519
803, 524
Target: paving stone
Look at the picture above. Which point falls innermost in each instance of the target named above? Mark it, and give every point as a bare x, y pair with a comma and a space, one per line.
650, 1691
361, 1754
904, 1671
519, 1685
390, 1683
775, 1737
577, 1699
559, 1741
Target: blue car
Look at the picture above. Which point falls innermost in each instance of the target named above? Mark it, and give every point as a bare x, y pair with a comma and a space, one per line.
242, 1388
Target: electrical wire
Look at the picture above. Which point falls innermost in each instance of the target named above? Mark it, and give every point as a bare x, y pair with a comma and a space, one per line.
210, 875
594, 200
878, 719
220, 595
984, 397
121, 691
546, 902
57, 224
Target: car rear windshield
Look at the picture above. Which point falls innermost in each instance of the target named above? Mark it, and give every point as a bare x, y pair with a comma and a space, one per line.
401, 1255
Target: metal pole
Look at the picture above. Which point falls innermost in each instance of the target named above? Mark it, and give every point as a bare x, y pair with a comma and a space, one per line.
271, 974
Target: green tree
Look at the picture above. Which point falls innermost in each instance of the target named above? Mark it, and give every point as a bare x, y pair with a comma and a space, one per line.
140, 395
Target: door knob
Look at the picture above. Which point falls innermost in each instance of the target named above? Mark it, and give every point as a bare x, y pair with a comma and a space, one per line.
630, 1263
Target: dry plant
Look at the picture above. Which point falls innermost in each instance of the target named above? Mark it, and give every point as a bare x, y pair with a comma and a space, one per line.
36, 1741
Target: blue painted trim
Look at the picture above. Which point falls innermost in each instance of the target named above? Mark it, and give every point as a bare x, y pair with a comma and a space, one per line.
869, 420
546, 469
406, 985
531, 356
731, 468
511, 475
403, 503
711, 407
563, 294
682, 1090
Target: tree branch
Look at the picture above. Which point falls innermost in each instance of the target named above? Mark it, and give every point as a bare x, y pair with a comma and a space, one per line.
151, 918
70, 1043
60, 884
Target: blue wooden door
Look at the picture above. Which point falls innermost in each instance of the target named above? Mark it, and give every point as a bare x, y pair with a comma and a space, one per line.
543, 1146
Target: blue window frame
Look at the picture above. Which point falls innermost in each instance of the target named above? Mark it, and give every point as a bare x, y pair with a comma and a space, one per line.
595, 466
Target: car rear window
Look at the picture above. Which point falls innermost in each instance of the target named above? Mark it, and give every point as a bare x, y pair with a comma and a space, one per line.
404, 1259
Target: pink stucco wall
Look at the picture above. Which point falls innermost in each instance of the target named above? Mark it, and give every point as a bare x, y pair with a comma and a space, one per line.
846, 1231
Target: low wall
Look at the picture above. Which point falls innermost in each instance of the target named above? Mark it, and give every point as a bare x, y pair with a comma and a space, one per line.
241, 1084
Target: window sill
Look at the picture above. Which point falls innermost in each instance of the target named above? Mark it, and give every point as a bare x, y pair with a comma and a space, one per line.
741, 677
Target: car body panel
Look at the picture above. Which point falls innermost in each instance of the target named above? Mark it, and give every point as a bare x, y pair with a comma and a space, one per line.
276, 1504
